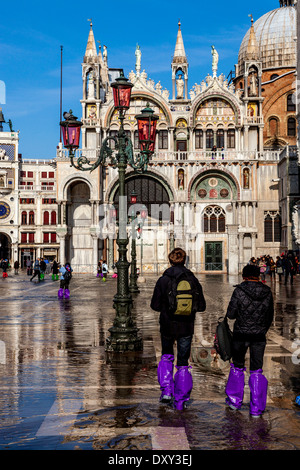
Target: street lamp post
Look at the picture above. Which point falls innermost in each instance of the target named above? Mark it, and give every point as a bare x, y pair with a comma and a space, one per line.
124, 333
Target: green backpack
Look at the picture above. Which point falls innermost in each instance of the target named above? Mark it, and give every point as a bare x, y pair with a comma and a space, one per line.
182, 295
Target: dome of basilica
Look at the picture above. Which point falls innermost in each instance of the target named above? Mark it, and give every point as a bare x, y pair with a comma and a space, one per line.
275, 34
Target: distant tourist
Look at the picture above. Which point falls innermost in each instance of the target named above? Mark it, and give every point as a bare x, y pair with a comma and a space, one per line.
16, 266
65, 278
55, 272
36, 270
4, 266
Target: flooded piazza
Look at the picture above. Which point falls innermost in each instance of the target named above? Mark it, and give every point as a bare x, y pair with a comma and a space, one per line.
60, 390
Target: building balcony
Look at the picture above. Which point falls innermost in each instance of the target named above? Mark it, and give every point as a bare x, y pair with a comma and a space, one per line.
189, 156
218, 156
41, 188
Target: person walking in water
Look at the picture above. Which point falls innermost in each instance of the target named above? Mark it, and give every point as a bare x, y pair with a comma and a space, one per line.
252, 308
177, 296
36, 270
54, 270
65, 278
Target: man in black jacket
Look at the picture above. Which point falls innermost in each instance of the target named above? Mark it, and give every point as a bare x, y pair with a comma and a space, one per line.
252, 308
179, 328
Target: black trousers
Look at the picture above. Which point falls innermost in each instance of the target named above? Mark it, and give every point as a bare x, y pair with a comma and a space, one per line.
257, 349
64, 284
183, 348
36, 273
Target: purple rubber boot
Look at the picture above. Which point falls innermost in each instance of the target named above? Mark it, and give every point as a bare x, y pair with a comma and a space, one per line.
258, 385
60, 293
183, 385
67, 294
165, 378
235, 387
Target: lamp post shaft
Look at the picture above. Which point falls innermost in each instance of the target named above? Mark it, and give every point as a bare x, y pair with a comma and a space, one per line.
124, 333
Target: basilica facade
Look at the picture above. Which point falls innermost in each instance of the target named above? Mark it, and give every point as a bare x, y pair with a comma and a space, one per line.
216, 184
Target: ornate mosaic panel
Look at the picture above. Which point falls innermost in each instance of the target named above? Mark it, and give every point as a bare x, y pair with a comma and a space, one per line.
215, 111
214, 187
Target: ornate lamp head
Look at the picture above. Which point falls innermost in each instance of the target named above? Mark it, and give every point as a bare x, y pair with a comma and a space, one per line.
71, 130
147, 122
122, 92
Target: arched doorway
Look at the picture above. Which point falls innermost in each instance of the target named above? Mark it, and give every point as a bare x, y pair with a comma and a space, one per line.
150, 193
79, 250
154, 243
5, 246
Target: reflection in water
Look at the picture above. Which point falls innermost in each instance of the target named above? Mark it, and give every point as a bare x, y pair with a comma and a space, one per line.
245, 433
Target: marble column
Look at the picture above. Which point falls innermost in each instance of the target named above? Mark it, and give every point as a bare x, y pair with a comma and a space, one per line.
95, 253
62, 250
233, 250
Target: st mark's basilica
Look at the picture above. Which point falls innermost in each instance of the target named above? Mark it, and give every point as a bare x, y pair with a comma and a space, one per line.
223, 182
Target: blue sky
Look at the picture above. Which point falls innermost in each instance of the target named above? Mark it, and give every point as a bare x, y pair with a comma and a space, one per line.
32, 32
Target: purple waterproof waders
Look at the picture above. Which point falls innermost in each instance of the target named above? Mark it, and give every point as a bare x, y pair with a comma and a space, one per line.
183, 385
67, 294
60, 293
165, 377
235, 387
258, 385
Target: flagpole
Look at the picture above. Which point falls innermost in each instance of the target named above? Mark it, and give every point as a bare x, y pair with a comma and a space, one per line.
61, 60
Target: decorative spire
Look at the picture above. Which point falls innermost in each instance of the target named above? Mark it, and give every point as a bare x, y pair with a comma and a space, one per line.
91, 50
179, 54
252, 48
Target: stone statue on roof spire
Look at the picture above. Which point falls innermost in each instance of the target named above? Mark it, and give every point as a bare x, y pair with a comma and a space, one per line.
215, 60
138, 55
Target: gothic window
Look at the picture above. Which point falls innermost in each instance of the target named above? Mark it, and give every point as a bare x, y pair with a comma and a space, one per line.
31, 218
199, 139
222, 223
220, 138
273, 126
46, 218
291, 127
268, 229
214, 220
231, 139
163, 140
53, 218
272, 226
291, 102
24, 218
209, 139
136, 140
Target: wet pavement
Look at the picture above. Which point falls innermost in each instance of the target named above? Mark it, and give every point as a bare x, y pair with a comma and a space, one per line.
60, 390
